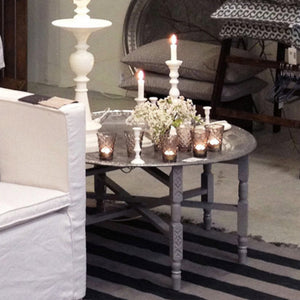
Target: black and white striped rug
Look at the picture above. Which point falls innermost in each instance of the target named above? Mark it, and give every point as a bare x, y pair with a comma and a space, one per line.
130, 260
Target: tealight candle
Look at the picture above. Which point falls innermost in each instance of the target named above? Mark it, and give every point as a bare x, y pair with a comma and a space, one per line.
106, 141
215, 136
141, 83
169, 156
173, 41
214, 144
169, 147
200, 142
199, 150
106, 153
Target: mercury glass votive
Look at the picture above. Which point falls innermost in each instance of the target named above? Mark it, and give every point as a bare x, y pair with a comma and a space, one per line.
200, 142
214, 136
130, 141
184, 133
169, 148
106, 142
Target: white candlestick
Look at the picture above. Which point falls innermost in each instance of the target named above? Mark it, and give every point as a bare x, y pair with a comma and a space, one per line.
137, 149
173, 41
82, 62
207, 113
174, 91
141, 83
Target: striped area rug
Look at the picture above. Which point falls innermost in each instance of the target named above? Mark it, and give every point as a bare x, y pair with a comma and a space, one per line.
130, 260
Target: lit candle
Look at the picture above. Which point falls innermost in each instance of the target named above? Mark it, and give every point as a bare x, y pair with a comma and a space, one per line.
214, 144
169, 156
106, 153
199, 150
173, 41
141, 82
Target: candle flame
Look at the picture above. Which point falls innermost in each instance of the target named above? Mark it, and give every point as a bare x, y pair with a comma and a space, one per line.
214, 141
169, 152
200, 147
173, 39
105, 150
140, 75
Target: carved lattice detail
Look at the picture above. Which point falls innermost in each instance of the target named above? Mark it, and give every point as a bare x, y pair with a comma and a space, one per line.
176, 242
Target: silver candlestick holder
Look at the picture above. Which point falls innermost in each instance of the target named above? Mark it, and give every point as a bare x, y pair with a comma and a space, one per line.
174, 66
137, 148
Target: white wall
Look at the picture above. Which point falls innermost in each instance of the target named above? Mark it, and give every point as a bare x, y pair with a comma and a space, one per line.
49, 47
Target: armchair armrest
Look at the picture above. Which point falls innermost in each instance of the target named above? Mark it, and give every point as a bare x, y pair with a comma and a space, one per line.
40, 146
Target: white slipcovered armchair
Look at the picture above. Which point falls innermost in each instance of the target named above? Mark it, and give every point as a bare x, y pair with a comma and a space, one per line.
42, 200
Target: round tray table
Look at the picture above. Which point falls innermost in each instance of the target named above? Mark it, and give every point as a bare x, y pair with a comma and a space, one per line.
237, 145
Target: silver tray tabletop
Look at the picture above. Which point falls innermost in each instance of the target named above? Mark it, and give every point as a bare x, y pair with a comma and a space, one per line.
236, 143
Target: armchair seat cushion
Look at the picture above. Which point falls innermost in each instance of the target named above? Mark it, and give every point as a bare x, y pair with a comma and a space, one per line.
18, 205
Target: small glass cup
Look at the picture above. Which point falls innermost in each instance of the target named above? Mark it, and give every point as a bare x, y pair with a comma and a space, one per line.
169, 148
215, 136
130, 141
200, 142
184, 133
106, 142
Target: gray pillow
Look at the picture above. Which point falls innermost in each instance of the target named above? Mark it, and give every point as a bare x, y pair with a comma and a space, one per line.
193, 89
200, 60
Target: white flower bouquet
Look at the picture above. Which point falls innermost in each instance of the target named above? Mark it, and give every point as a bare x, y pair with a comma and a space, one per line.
160, 116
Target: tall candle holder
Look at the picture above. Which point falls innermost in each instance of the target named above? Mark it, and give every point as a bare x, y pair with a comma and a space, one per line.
174, 67
137, 148
82, 61
139, 100
207, 114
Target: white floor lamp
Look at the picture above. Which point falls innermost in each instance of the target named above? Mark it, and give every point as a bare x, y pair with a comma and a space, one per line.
82, 61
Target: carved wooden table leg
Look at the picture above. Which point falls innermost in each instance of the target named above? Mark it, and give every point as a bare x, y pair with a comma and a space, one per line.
242, 209
100, 189
176, 232
207, 182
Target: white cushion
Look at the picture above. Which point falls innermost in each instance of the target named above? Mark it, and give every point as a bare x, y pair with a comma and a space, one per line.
19, 203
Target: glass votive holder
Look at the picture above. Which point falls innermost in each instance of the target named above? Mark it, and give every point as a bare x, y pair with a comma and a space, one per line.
106, 142
169, 148
200, 142
130, 141
214, 136
184, 133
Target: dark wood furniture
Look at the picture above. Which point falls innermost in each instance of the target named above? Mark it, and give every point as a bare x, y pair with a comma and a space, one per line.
13, 31
218, 109
276, 21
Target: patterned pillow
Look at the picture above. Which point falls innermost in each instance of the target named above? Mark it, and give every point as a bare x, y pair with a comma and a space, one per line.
282, 12
200, 60
201, 90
